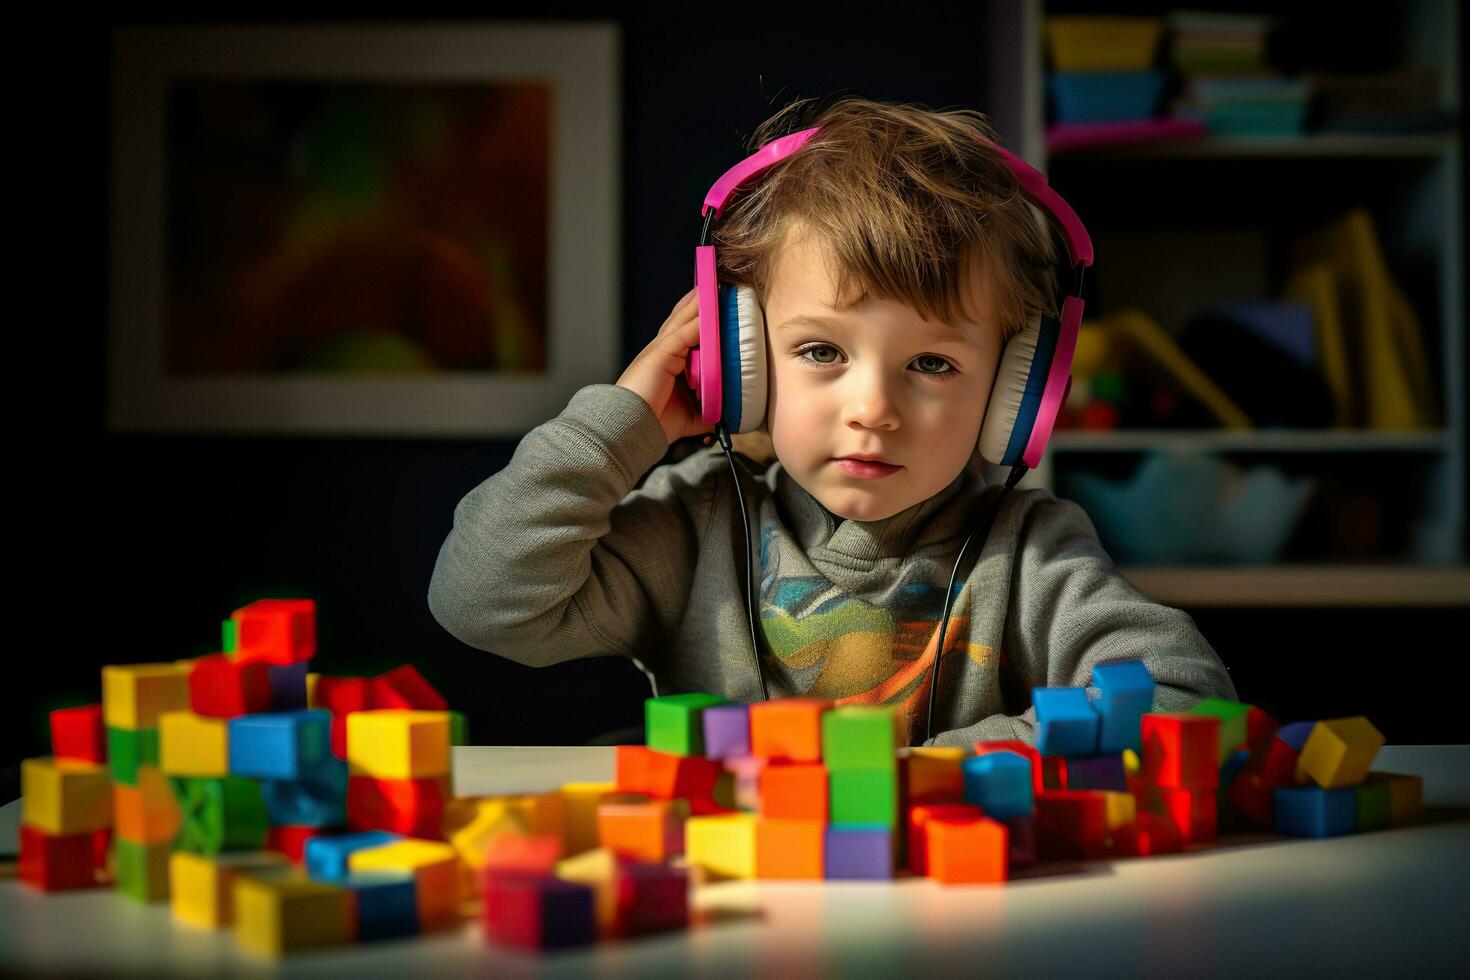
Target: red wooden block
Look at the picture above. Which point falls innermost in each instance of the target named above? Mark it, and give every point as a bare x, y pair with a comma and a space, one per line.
1278, 767
101, 849
223, 688
1071, 824
652, 897
412, 807
690, 777
1253, 800
1181, 749
533, 854
1149, 833
342, 696
277, 631
788, 729
967, 850
1021, 748
918, 854
538, 912
79, 733
631, 768
405, 687
1259, 726
1054, 772
799, 791
1192, 810
291, 840
1022, 832
57, 862
650, 830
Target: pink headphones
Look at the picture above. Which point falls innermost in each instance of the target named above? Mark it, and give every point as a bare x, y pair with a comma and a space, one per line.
727, 371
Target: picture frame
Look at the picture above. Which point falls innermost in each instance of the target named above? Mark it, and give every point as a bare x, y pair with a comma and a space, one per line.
362, 230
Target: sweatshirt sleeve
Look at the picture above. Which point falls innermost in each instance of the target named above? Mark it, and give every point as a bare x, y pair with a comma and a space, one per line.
1071, 609
556, 557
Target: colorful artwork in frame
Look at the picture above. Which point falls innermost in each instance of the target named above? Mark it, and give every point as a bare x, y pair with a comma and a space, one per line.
362, 230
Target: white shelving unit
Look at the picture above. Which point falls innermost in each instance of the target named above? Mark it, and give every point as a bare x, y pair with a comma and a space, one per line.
1425, 223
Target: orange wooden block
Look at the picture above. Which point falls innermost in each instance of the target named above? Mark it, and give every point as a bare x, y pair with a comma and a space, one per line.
932, 775
920, 815
650, 830
794, 792
790, 848
147, 813
631, 773
691, 777
788, 729
966, 850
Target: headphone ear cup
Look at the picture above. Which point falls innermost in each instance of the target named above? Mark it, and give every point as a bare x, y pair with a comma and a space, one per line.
743, 349
1000, 441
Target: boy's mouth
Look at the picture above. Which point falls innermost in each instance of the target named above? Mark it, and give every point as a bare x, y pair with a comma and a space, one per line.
865, 469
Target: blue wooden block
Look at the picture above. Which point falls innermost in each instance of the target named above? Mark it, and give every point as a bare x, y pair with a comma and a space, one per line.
387, 903
999, 783
317, 802
1311, 811
1295, 734
281, 745
326, 857
1066, 723
1127, 690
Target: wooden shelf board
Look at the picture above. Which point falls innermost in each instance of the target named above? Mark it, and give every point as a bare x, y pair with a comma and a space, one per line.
1303, 585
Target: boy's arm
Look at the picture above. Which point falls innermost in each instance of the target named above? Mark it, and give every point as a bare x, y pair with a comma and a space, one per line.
556, 557
1070, 609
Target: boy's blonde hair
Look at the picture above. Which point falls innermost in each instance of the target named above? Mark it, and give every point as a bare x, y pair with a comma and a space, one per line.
898, 194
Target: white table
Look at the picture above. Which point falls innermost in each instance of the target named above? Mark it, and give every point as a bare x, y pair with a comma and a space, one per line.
1367, 904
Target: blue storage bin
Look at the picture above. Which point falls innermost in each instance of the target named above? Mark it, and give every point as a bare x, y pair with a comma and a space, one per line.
1105, 96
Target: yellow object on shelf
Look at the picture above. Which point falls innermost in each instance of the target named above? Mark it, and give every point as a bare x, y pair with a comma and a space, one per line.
1103, 43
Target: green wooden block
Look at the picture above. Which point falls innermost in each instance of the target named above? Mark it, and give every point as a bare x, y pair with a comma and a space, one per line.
229, 638
1232, 715
863, 796
1373, 806
674, 723
140, 871
220, 814
459, 728
859, 737
127, 750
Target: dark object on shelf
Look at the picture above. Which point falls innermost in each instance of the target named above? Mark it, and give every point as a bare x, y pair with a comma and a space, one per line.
1269, 384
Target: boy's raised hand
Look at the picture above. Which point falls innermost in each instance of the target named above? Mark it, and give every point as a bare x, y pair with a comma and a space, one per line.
657, 372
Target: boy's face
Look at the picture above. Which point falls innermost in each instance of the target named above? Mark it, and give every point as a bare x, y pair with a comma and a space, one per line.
875, 380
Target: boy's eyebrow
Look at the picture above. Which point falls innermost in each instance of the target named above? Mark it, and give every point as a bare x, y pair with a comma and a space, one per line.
939, 332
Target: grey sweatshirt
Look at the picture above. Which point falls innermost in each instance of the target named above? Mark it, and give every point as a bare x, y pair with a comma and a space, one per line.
558, 556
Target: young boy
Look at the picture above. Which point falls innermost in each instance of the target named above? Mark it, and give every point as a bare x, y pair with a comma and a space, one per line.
892, 261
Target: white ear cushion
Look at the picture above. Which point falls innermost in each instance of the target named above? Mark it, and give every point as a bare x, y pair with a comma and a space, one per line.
1007, 393
752, 359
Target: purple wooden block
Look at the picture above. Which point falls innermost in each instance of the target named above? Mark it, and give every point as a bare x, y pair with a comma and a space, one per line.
862, 851
1021, 833
726, 730
1097, 772
288, 686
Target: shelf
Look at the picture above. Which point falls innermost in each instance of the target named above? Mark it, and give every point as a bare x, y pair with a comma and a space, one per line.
1310, 146
1249, 440
1303, 585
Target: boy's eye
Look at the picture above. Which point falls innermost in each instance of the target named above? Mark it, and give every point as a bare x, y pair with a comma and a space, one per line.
931, 365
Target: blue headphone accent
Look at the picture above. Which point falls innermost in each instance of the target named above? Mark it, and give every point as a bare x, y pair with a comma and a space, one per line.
730, 358
1046, 346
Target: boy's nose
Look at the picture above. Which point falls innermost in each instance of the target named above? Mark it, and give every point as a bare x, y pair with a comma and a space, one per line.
871, 403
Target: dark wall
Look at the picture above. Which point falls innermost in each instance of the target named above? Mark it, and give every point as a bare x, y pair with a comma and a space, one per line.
135, 547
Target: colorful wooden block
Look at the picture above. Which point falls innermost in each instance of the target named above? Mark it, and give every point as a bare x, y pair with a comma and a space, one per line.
290, 841
788, 729
918, 816
861, 852
1313, 811
135, 695
1066, 723
674, 723
140, 871
1373, 805
341, 696
1181, 749
1097, 772
967, 850
932, 774
226, 814
1193, 810
79, 734
277, 631
129, 749
1126, 693
1233, 721
722, 845
288, 686
1022, 835
1020, 748
147, 812
459, 729
398, 744
192, 745
539, 912
1148, 834
690, 777
221, 687
385, 902
473, 824
646, 829
405, 688
277, 914
436, 869
536, 854
282, 744
57, 862
657, 898
1118, 809
601, 870
412, 807
798, 791
789, 848
1071, 824
202, 889
319, 801
726, 730
863, 796
859, 737
630, 768
999, 783
1339, 752
1405, 797
581, 801
326, 856
64, 796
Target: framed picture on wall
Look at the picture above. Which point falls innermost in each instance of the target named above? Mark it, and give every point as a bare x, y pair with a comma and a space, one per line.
362, 230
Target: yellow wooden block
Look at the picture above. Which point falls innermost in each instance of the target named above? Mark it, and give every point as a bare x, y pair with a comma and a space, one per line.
193, 745
311, 680
580, 818
148, 812
596, 869
935, 773
473, 823
542, 813
65, 796
1339, 752
276, 914
436, 868
392, 743
1118, 808
134, 695
722, 844
201, 889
